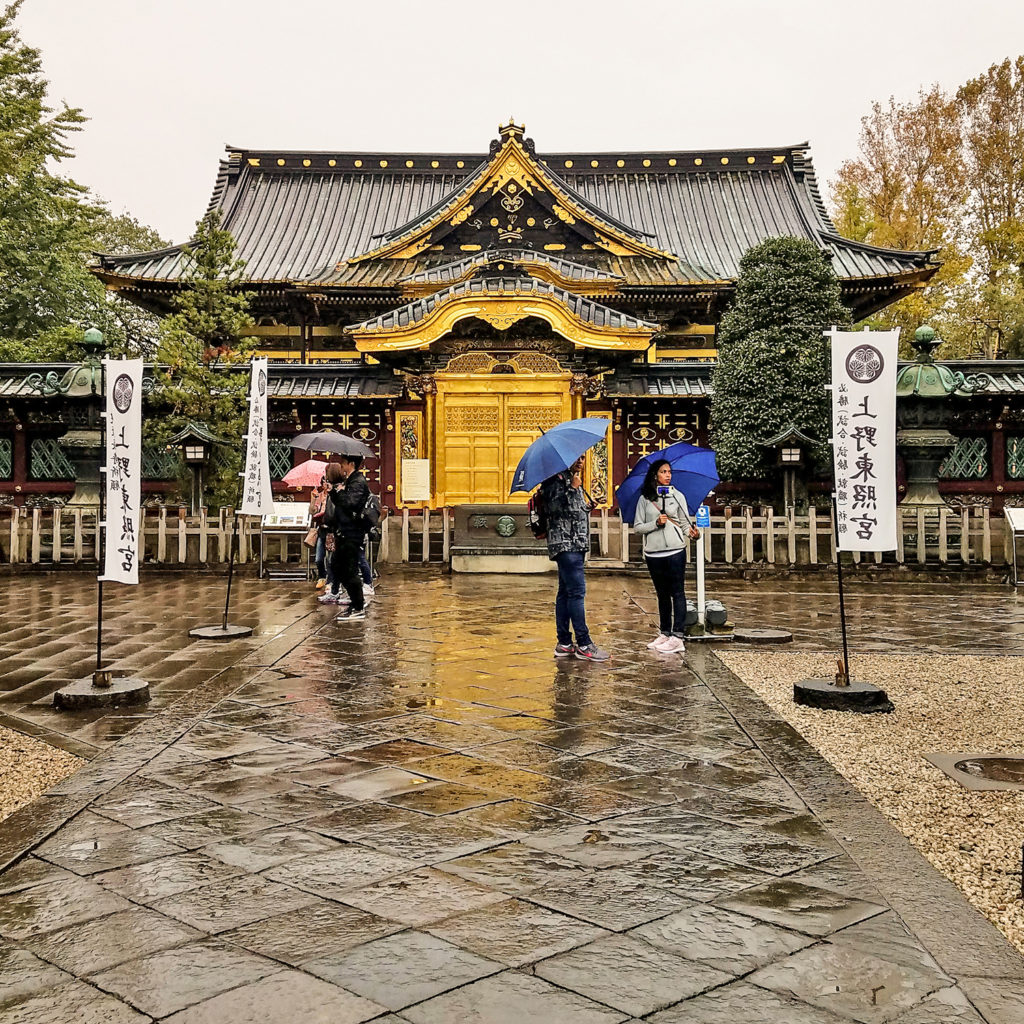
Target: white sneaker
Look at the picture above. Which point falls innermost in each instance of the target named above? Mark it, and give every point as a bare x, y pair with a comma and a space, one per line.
657, 642
328, 598
674, 645
367, 590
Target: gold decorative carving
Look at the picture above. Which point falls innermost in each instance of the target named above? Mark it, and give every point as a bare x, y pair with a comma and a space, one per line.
513, 165
501, 312
523, 419
471, 419
471, 362
563, 214
421, 384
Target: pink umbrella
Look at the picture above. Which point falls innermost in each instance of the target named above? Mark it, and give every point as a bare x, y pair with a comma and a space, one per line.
305, 474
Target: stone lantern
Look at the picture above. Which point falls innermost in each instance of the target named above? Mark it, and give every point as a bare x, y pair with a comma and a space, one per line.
926, 393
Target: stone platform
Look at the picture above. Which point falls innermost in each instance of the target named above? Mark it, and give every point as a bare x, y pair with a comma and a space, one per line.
423, 817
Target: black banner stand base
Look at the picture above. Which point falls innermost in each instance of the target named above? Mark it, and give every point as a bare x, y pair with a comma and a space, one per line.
101, 690
227, 632
826, 695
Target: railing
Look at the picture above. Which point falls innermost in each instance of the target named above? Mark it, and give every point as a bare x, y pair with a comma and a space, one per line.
743, 537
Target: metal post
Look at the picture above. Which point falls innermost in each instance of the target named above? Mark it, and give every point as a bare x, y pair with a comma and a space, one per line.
100, 677
843, 676
700, 581
231, 556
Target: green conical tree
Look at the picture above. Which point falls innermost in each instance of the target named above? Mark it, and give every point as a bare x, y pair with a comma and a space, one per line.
202, 352
773, 360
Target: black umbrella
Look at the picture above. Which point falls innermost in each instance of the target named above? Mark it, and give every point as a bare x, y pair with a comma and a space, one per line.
327, 441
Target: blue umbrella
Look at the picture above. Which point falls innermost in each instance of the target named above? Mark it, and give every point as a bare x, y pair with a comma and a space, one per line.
556, 450
694, 474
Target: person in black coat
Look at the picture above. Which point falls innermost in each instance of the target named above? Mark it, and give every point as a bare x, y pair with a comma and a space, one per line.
346, 501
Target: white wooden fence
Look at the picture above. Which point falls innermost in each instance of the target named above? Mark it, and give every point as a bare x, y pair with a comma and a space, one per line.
744, 537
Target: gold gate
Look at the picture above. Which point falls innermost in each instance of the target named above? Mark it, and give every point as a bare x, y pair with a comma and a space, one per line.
484, 423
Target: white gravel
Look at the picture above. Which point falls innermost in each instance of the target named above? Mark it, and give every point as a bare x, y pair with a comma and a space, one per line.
943, 703
28, 768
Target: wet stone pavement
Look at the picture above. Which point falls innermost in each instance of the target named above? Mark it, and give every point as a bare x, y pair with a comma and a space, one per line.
426, 818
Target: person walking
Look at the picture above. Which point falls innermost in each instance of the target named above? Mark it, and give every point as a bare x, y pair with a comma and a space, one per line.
663, 521
317, 504
344, 518
567, 508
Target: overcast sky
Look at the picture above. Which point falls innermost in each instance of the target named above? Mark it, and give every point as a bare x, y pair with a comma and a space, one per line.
168, 83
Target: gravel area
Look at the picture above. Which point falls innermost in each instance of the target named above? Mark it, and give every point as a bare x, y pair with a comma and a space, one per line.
943, 703
28, 768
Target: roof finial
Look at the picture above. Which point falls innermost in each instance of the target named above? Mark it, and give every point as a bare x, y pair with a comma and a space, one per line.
511, 130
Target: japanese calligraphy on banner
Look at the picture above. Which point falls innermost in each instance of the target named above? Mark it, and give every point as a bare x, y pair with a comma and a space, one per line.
864, 438
124, 469
257, 499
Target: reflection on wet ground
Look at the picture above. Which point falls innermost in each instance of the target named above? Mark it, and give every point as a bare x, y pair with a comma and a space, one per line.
425, 818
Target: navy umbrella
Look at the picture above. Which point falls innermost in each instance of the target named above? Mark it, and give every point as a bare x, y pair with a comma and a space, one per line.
694, 474
556, 450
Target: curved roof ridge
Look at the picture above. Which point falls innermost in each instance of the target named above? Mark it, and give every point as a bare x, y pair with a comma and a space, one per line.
515, 256
881, 250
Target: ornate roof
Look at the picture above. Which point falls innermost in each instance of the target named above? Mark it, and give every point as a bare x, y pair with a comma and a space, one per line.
360, 222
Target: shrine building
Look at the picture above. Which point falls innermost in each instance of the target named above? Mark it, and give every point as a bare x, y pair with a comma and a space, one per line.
445, 307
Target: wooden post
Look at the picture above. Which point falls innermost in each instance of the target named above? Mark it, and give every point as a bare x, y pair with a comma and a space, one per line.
446, 540
623, 540
78, 535
833, 546
15, 547
986, 536
603, 543
161, 536
405, 535
222, 534
1007, 542
943, 551
385, 540
706, 540
748, 534
728, 534
36, 538
426, 535
965, 535
900, 553
202, 536
922, 548
56, 535
769, 533
182, 535
791, 534
812, 534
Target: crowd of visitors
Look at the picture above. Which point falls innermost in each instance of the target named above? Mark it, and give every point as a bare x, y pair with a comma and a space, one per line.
345, 512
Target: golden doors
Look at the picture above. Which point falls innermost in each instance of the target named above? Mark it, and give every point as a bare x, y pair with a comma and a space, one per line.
484, 424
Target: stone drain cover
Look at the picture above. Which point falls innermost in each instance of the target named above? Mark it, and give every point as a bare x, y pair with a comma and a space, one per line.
982, 771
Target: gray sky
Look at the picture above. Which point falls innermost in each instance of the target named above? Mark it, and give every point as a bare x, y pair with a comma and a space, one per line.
168, 83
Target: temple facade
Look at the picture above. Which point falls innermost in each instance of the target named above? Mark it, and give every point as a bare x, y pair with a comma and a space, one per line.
445, 307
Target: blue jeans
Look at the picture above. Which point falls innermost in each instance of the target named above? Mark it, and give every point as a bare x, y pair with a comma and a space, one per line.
572, 588
323, 565
364, 569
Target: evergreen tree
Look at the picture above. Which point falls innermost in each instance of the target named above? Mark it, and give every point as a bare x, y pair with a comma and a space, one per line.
203, 354
773, 360
46, 222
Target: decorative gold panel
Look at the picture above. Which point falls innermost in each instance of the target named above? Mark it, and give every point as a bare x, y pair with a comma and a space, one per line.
536, 362
531, 417
471, 362
471, 419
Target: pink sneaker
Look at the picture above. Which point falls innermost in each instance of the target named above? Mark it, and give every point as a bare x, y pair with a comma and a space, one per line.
672, 645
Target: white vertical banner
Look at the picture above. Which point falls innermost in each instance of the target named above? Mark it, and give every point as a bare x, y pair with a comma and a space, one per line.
864, 438
257, 499
123, 482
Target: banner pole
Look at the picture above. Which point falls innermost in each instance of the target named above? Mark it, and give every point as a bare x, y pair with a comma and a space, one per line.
231, 556
843, 676
98, 678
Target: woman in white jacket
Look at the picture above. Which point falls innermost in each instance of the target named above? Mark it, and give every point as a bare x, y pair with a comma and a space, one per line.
662, 520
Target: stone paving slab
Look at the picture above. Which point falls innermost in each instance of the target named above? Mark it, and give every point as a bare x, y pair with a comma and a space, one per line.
424, 818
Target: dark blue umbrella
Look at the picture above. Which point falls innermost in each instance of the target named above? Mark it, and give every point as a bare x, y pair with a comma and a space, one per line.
556, 450
694, 474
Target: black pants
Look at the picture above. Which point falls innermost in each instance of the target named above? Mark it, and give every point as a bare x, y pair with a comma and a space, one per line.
345, 567
668, 574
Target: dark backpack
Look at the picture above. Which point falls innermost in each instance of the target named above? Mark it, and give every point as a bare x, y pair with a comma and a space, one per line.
372, 516
537, 515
